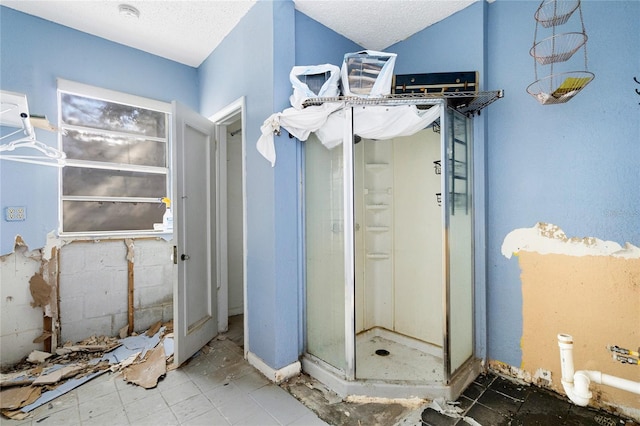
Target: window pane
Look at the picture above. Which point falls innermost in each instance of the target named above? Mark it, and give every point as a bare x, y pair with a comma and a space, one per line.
95, 216
113, 149
98, 114
112, 183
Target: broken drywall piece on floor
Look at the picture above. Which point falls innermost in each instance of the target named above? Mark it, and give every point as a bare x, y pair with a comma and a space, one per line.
452, 410
58, 374
148, 372
125, 363
154, 329
168, 345
546, 238
14, 398
67, 386
37, 357
19, 378
40, 291
132, 344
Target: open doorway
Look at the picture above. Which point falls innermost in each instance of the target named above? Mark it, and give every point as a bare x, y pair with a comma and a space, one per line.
232, 223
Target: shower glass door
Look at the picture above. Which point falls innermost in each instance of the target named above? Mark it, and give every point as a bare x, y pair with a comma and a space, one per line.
459, 231
325, 278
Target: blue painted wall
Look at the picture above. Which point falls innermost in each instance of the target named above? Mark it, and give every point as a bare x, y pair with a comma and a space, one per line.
35, 53
254, 61
576, 165
317, 44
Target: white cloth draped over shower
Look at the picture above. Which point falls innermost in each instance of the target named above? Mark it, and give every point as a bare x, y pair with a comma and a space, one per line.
328, 120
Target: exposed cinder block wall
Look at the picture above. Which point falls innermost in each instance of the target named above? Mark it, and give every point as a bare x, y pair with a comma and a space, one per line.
94, 286
153, 277
93, 289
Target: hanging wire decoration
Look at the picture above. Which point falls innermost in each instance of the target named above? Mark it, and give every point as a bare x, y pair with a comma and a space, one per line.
558, 87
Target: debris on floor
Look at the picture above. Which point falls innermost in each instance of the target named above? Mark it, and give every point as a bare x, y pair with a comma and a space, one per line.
141, 359
356, 411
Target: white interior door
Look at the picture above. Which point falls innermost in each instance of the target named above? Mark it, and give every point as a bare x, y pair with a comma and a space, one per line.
194, 188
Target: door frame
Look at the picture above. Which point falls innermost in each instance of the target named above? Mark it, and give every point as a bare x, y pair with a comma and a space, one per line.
222, 119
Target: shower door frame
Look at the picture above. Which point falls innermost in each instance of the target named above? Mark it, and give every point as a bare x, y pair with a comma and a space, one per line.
450, 378
349, 239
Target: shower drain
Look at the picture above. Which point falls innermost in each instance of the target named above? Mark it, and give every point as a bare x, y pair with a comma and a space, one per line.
382, 352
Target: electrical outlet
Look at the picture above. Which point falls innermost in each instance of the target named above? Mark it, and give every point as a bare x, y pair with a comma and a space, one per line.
15, 214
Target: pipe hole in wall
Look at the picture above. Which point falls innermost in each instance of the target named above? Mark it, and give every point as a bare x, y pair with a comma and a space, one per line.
383, 352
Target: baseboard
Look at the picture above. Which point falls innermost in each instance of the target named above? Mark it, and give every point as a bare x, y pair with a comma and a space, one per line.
277, 376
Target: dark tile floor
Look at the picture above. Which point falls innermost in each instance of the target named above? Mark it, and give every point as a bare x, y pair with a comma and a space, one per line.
494, 401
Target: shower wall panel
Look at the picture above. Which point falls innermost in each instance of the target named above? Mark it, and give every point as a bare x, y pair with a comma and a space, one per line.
398, 236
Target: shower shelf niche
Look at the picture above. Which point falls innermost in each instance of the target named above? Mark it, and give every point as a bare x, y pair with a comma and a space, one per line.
377, 207
378, 256
378, 228
377, 166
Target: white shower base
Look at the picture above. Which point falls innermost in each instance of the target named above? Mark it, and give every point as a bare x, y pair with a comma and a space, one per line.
412, 369
407, 360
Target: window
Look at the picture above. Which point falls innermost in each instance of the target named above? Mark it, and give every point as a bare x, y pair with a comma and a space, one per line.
117, 168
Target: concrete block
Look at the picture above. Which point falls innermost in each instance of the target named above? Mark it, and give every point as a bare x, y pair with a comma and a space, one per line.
106, 254
152, 296
105, 304
79, 330
72, 258
146, 317
14, 347
167, 311
118, 321
18, 319
154, 276
71, 308
80, 283
153, 252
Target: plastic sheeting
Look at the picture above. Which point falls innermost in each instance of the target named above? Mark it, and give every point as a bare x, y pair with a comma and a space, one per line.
328, 121
303, 76
367, 73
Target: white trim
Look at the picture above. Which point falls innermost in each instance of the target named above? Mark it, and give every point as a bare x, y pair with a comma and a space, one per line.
276, 376
222, 118
112, 95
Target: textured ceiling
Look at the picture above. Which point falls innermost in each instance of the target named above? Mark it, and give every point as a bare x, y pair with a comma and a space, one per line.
187, 31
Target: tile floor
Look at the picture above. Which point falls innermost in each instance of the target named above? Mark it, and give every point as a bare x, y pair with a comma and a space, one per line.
218, 387
494, 401
214, 388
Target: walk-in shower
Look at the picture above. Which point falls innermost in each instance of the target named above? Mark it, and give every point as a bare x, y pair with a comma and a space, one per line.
389, 260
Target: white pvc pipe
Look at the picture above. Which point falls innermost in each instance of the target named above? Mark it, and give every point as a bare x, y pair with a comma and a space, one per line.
576, 384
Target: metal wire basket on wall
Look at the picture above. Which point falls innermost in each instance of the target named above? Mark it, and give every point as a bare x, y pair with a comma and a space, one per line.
558, 48
559, 88
552, 13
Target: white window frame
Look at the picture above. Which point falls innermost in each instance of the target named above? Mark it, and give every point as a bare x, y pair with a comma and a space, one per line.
86, 90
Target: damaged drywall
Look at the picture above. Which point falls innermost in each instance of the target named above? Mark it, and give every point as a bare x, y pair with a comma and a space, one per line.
72, 289
582, 286
42, 377
22, 326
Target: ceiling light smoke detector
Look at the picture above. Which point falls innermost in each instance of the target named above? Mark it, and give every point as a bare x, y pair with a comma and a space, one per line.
128, 11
